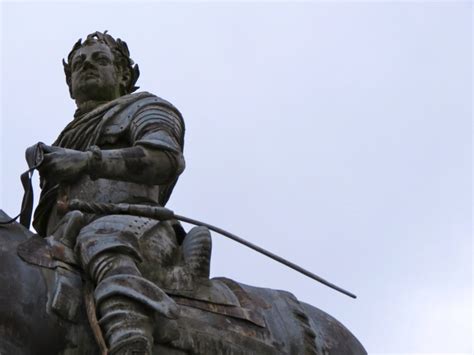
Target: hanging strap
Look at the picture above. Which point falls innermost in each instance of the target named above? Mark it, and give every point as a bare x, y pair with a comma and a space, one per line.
34, 157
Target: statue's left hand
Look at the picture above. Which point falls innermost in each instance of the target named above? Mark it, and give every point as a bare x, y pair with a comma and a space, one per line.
61, 164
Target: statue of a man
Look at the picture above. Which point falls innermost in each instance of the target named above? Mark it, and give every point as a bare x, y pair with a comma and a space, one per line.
120, 147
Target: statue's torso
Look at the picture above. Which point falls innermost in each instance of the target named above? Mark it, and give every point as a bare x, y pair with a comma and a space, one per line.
116, 127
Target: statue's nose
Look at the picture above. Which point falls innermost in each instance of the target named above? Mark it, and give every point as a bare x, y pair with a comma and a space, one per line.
88, 64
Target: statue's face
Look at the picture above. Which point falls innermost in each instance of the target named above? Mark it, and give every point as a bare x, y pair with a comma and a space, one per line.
94, 75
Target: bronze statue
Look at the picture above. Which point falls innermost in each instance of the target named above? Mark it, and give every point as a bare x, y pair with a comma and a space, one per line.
120, 147
145, 280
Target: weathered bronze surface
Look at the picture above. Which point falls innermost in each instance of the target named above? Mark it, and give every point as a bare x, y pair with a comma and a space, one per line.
109, 283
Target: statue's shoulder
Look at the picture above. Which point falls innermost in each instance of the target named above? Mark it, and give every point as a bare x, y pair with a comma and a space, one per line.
127, 108
142, 99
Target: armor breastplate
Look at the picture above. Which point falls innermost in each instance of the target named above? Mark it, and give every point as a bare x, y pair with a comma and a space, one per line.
110, 191
104, 191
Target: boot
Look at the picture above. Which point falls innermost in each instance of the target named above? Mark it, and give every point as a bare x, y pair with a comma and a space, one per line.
126, 327
126, 303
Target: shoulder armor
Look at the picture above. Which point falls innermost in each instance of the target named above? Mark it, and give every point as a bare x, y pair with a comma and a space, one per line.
119, 117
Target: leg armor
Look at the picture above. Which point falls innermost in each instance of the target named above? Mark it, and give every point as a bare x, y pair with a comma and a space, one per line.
108, 252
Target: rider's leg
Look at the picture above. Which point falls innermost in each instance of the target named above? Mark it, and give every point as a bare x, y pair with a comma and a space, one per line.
108, 251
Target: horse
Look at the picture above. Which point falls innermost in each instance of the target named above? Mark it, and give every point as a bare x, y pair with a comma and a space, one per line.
221, 316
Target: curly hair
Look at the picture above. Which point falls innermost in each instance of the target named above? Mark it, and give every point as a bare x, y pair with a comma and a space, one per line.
121, 54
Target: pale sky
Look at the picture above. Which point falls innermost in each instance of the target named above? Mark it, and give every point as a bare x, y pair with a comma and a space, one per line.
335, 134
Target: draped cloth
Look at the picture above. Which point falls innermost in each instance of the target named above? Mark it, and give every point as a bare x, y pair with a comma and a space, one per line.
86, 129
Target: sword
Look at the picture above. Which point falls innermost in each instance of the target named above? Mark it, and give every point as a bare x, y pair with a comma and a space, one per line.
162, 213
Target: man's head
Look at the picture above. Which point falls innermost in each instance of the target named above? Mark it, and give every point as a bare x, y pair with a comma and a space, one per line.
100, 69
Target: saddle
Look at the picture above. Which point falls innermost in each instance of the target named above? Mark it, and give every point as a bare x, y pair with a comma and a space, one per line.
218, 295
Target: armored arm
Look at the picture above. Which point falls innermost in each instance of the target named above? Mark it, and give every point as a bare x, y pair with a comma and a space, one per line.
140, 164
156, 132
155, 136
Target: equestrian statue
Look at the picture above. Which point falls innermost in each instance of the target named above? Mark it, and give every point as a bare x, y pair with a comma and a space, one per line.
111, 270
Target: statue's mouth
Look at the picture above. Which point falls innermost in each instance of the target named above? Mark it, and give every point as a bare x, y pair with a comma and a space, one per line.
90, 74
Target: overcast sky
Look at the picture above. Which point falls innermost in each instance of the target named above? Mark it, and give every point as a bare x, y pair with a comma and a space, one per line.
337, 135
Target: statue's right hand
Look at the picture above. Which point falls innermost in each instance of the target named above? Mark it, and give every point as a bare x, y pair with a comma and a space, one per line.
61, 164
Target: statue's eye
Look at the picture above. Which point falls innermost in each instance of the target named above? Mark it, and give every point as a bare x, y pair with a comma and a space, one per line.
103, 60
76, 64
